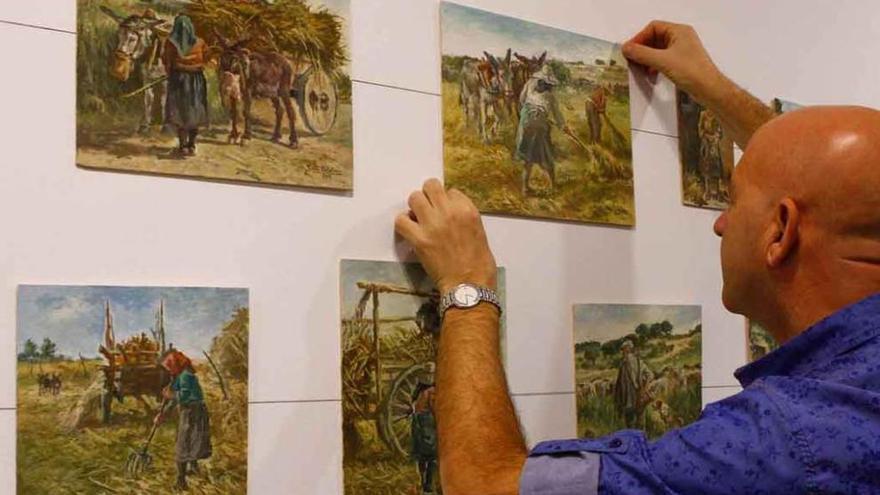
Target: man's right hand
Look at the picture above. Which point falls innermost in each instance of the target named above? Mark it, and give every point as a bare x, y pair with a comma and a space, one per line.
676, 51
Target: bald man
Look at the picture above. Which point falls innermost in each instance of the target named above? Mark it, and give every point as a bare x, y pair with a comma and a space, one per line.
800, 254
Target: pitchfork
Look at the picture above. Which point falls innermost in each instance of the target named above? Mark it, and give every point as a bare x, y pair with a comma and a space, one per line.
139, 461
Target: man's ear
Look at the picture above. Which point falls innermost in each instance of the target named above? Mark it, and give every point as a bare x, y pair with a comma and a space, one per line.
785, 232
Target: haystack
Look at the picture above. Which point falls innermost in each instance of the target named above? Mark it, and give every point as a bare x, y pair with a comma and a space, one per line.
293, 27
229, 348
87, 406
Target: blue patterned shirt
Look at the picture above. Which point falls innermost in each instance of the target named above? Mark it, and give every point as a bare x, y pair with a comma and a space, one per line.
806, 422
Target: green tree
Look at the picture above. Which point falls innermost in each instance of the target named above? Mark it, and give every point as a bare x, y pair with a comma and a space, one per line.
30, 351
47, 349
561, 71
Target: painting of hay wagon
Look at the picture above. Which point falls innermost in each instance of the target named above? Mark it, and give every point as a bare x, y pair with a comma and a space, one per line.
128, 370
637, 366
536, 120
230, 90
390, 331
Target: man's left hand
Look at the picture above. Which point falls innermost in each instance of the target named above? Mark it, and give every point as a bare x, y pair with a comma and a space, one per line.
447, 233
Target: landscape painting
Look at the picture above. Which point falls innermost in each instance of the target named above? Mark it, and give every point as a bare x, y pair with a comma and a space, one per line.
761, 342
637, 367
536, 120
706, 156
244, 91
132, 390
390, 330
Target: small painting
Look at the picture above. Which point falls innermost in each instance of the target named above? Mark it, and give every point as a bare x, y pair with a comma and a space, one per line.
390, 330
706, 156
244, 91
132, 390
761, 342
637, 366
781, 106
536, 120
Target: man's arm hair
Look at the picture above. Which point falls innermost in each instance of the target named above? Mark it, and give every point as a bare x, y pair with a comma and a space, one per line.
740, 113
482, 450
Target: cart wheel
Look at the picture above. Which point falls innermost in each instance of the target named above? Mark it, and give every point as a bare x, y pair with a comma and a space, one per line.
394, 422
318, 100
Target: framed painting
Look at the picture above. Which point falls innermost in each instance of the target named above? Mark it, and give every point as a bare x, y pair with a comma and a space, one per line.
706, 156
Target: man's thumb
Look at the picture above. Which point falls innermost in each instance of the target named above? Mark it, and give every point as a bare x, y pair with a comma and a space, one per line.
642, 55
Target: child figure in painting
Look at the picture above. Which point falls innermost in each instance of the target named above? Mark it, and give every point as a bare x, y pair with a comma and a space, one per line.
193, 427
711, 166
533, 144
186, 107
424, 435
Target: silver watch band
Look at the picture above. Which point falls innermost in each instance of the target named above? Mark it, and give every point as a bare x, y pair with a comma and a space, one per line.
485, 295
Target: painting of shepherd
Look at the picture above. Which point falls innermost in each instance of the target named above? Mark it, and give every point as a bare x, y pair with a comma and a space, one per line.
390, 331
132, 390
636, 367
706, 155
536, 120
228, 90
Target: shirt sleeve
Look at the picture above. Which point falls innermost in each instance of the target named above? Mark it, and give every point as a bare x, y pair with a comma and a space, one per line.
741, 445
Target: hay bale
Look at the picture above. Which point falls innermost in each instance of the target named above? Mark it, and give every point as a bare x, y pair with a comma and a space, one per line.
85, 410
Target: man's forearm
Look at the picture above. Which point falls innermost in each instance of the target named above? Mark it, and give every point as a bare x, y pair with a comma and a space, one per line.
740, 112
482, 450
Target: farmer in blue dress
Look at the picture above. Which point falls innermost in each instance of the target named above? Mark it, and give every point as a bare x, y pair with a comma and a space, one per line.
186, 106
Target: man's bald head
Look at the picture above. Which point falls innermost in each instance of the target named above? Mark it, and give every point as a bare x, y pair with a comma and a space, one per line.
802, 235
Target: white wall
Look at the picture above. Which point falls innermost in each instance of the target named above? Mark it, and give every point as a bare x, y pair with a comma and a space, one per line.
60, 224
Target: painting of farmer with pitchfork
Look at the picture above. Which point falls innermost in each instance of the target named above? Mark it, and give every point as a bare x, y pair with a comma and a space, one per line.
193, 423
516, 136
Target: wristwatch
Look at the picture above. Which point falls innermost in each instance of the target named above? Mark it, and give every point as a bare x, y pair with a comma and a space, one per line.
467, 296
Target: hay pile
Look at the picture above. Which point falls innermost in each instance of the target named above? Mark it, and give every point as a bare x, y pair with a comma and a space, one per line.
302, 32
229, 348
85, 411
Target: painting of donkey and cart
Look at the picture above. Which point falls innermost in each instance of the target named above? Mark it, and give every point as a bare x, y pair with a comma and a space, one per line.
248, 91
536, 120
132, 390
637, 366
390, 331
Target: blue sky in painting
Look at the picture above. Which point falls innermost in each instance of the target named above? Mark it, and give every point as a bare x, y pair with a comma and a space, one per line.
604, 322
73, 316
469, 31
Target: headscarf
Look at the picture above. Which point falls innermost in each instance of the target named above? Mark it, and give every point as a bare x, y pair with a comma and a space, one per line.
183, 35
545, 74
175, 362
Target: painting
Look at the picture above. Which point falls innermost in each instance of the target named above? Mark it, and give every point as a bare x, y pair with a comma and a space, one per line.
390, 330
781, 106
245, 91
761, 342
706, 156
132, 390
536, 120
637, 366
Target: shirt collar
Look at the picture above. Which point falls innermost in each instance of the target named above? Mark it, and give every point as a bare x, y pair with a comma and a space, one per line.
819, 344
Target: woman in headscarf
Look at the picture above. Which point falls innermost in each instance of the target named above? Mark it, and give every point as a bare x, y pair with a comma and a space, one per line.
193, 425
539, 108
186, 107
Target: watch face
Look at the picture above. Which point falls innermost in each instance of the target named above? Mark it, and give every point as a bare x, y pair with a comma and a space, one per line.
466, 296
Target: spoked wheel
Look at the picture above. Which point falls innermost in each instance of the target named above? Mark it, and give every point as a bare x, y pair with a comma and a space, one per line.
318, 100
396, 410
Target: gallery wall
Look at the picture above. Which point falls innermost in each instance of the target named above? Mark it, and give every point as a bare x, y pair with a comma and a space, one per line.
61, 224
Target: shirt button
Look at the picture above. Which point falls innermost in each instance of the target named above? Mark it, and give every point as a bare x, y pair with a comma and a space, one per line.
615, 443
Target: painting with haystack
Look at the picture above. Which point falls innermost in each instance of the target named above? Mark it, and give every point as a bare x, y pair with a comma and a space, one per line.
390, 331
536, 120
132, 390
637, 367
237, 90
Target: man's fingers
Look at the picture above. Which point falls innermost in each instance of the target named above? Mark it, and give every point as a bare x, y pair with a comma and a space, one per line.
435, 193
420, 205
650, 58
407, 228
654, 35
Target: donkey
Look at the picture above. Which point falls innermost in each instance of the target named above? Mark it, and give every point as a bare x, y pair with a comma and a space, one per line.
246, 75
139, 49
485, 85
523, 68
